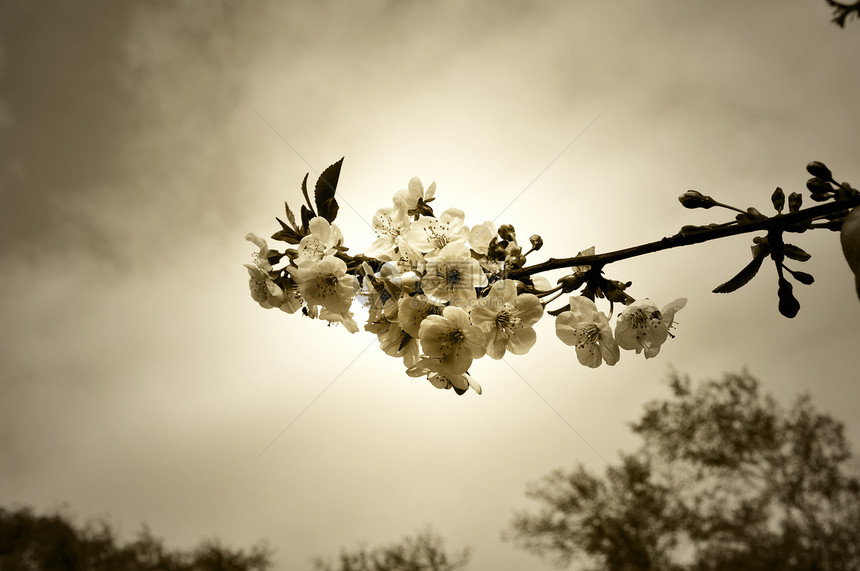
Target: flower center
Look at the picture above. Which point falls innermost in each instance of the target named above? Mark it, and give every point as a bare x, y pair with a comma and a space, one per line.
506, 320
588, 336
438, 235
327, 285
451, 339
386, 227
317, 247
452, 276
640, 319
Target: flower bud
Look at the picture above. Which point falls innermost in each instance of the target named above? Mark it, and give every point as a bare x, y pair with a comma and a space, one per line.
795, 200
778, 199
572, 282
788, 304
536, 242
410, 281
803, 277
507, 232
835, 226
695, 199
515, 257
818, 169
497, 250
818, 186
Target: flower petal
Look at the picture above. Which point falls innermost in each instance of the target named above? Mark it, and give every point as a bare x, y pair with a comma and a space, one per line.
521, 340
566, 328
589, 355
529, 309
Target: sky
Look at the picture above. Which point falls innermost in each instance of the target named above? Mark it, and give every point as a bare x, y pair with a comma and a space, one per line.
142, 141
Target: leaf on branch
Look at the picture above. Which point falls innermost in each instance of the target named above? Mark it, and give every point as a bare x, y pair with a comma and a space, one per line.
745, 275
287, 234
307, 215
290, 233
792, 252
290, 216
310, 206
324, 191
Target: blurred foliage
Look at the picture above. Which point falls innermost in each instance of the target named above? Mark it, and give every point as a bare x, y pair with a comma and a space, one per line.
30, 542
843, 11
725, 479
423, 552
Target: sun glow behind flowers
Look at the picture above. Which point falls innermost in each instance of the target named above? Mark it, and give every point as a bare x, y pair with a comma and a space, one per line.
437, 294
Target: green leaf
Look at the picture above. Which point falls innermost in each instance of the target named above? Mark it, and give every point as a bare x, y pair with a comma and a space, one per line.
325, 189
744, 276
794, 253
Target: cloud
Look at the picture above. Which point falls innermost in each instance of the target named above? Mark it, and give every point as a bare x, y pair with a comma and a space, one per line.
136, 161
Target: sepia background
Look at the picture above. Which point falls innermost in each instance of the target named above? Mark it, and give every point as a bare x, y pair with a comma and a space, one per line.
142, 141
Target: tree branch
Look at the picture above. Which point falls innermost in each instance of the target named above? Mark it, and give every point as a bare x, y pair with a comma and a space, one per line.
787, 222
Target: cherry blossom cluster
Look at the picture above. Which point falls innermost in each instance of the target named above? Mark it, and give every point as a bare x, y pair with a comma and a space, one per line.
439, 294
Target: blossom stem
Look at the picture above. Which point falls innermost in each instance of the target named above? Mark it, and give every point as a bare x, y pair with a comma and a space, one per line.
549, 291
552, 299
791, 222
728, 206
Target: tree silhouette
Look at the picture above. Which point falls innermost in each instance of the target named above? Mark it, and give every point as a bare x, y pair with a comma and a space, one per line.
30, 542
725, 479
423, 552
